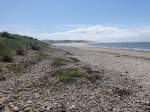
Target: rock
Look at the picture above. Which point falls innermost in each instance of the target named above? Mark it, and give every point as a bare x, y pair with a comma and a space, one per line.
28, 109
48, 107
92, 97
55, 103
116, 109
72, 107
29, 102
2, 100
2, 78
37, 95
6, 109
63, 111
42, 109
146, 102
15, 109
11, 105
1, 107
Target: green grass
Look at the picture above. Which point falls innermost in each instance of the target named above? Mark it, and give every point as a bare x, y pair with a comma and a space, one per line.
59, 62
68, 75
13, 44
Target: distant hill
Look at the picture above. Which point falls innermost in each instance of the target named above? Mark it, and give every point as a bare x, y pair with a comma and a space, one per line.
65, 41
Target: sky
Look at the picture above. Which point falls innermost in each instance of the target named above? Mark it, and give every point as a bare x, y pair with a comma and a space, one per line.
96, 20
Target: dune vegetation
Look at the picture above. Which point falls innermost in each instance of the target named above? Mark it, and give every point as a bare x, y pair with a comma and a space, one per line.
14, 44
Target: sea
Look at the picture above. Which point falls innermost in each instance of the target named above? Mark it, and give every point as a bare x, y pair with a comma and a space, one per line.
141, 46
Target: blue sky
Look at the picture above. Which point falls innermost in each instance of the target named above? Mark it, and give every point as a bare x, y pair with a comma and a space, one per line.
66, 19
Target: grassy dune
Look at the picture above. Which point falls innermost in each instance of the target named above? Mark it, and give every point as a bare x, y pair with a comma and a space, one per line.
13, 44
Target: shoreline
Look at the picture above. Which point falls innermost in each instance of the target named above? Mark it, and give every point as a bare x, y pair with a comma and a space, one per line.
88, 45
134, 63
118, 51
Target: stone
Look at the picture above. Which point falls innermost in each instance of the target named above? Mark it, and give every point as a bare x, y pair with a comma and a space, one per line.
28, 109
11, 105
49, 107
72, 107
37, 95
2, 100
15, 109
29, 102
2, 78
2, 107
6, 109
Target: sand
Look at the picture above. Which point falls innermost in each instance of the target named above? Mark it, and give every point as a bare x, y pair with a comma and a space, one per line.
112, 81
135, 64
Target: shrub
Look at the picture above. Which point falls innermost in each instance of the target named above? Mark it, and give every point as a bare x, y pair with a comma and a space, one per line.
7, 58
5, 52
35, 47
58, 62
21, 52
5, 34
68, 75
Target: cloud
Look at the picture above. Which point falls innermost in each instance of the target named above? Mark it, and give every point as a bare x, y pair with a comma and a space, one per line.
106, 33
102, 33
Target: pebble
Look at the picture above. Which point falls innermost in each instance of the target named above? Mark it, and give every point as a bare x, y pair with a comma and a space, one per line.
15, 109
48, 107
92, 97
85, 97
2, 78
72, 107
28, 109
29, 102
37, 95
11, 105
7, 109
1, 107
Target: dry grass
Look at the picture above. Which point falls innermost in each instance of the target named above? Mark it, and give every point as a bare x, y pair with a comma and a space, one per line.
68, 75
59, 62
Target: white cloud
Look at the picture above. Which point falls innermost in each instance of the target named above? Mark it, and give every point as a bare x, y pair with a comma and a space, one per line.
105, 33
89, 32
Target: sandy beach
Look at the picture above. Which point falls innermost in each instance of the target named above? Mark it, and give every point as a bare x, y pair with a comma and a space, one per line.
134, 64
77, 78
